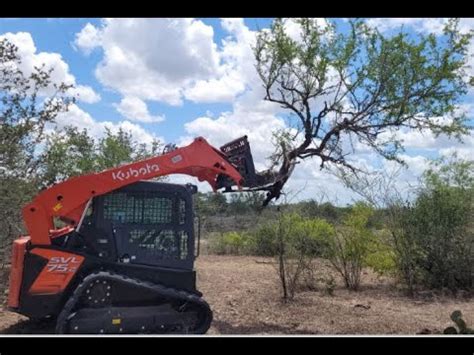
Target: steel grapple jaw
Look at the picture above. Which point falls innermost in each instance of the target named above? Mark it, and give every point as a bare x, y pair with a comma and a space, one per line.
239, 154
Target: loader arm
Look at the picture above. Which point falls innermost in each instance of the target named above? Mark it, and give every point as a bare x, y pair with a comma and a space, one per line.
68, 200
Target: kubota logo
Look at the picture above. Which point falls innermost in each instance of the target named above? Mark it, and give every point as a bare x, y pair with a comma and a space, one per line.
130, 172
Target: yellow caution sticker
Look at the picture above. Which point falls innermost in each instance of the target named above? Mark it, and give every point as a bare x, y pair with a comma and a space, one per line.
57, 207
116, 321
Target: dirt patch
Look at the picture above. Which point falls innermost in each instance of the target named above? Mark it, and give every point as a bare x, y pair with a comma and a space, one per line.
245, 297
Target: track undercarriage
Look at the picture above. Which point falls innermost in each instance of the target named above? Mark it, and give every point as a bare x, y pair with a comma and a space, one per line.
110, 303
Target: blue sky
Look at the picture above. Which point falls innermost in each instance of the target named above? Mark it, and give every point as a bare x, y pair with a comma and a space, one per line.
174, 79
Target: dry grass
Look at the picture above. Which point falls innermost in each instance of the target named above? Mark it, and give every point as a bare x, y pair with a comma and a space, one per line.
245, 296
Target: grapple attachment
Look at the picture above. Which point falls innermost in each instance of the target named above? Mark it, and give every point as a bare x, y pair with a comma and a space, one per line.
239, 154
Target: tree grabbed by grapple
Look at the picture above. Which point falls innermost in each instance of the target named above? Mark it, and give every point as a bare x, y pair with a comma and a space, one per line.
359, 86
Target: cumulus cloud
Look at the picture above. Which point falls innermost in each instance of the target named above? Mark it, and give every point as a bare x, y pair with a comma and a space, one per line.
154, 59
83, 120
293, 29
31, 58
85, 94
463, 151
431, 25
231, 125
88, 39
223, 89
136, 110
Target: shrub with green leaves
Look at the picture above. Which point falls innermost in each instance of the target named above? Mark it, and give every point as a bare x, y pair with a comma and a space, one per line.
381, 256
263, 242
435, 235
298, 240
232, 243
350, 246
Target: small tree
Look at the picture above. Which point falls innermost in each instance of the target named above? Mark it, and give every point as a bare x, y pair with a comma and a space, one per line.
28, 102
431, 236
441, 225
297, 240
71, 152
116, 149
359, 85
67, 153
379, 189
350, 245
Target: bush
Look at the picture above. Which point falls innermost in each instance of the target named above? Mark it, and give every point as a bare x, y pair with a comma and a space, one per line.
263, 242
307, 236
381, 256
230, 243
434, 237
298, 241
350, 245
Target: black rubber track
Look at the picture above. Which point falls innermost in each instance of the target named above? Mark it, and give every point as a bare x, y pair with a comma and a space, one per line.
162, 291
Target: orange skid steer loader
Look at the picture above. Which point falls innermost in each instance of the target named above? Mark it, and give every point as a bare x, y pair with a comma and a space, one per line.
124, 262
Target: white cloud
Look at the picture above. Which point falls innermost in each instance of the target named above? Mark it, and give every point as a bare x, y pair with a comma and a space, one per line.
293, 29
136, 110
153, 59
87, 39
168, 60
464, 151
229, 126
78, 118
31, 58
431, 25
310, 182
223, 89
85, 94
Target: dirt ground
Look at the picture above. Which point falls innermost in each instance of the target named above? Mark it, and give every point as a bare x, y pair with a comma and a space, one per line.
246, 299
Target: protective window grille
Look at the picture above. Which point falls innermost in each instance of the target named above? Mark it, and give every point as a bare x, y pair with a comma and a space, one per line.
142, 237
138, 209
168, 244
182, 211
183, 238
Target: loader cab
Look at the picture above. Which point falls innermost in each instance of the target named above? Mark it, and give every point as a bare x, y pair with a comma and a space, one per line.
146, 223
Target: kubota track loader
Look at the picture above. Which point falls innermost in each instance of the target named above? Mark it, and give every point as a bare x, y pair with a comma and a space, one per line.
125, 261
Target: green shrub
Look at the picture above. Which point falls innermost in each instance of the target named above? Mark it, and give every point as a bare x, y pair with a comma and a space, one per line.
298, 240
381, 256
263, 241
349, 247
434, 237
381, 259
232, 243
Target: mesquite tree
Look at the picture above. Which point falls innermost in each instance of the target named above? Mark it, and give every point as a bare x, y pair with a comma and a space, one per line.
29, 100
359, 86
